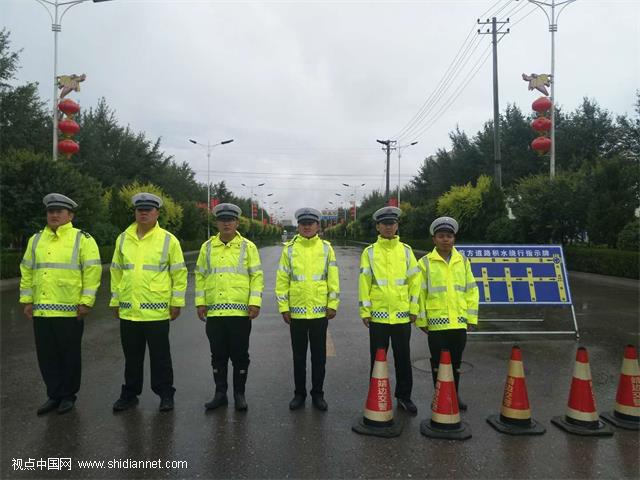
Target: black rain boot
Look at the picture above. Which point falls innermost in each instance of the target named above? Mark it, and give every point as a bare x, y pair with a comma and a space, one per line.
239, 382
434, 371
456, 378
220, 397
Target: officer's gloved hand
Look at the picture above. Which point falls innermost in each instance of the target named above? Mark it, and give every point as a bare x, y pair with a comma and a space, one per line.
202, 312
331, 313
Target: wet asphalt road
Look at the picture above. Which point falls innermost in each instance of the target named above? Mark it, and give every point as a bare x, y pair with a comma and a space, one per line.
269, 441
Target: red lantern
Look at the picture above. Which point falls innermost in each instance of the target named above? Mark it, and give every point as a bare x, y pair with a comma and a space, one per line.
68, 127
541, 144
541, 124
542, 104
68, 147
68, 106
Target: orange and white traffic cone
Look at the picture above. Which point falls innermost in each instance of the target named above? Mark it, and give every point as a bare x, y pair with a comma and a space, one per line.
582, 416
626, 413
515, 414
445, 414
378, 409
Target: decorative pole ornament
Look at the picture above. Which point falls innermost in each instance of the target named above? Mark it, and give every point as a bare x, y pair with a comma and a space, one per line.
66, 124
542, 124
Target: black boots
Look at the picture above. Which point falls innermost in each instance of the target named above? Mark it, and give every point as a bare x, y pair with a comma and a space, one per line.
218, 400
297, 402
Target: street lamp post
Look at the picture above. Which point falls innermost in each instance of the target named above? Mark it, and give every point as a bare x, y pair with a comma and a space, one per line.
56, 27
400, 147
553, 28
251, 187
209, 147
355, 198
262, 207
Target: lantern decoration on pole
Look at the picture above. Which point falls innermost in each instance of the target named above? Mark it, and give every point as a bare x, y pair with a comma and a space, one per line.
67, 125
542, 123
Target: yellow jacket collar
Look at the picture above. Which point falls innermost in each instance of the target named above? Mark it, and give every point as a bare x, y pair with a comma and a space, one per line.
455, 256
237, 239
388, 242
132, 230
61, 230
306, 241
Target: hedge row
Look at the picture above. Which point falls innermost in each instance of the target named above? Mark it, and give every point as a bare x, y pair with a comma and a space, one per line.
605, 261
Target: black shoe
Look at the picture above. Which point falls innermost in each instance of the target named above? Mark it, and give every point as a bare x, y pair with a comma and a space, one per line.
65, 406
218, 400
240, 402
319, 402
48, 406
408, 406
123, 404
297, 402
462, 406
166, 404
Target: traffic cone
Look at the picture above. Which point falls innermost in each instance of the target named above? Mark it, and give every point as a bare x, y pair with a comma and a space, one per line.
378, 410
626, 413
445, 415
515, 414
582, 416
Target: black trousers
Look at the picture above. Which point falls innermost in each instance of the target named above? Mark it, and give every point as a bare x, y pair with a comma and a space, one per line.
400, 335
311, 331
135, 336
229, 339
453, 340
58, 342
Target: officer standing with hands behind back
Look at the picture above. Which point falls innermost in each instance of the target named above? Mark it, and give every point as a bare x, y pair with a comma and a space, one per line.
148, 283
229, 284
308, 294
61, 272
449, 298
389, 288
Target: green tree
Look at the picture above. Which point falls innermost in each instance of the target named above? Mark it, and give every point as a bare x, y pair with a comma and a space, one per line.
551, 210
24, 121
26, 178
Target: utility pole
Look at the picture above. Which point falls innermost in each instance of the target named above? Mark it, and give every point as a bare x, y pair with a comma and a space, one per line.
388, 147
494, 32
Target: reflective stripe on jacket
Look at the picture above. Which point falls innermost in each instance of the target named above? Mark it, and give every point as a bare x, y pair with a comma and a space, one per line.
60, 270
389, 282
449, 295
307, 280
229, 277
148, 275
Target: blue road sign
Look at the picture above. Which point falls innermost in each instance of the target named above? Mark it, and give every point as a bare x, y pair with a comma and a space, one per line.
519, 274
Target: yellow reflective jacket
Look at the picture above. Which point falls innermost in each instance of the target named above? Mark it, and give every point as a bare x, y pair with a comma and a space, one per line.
148, 275
449, 295
389, 282
307, 280
60, 270
229, 277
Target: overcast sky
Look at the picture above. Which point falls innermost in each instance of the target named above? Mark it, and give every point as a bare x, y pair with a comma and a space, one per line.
305, 88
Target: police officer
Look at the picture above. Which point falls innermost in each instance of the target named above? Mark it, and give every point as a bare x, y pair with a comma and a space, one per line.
449, 298
148, 283
229, 284
389, 287
61, 272
308, 294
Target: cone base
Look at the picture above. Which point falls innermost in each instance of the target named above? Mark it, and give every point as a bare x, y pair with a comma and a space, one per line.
611, 418
603, 430
534, 428
390, 431
461, 433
